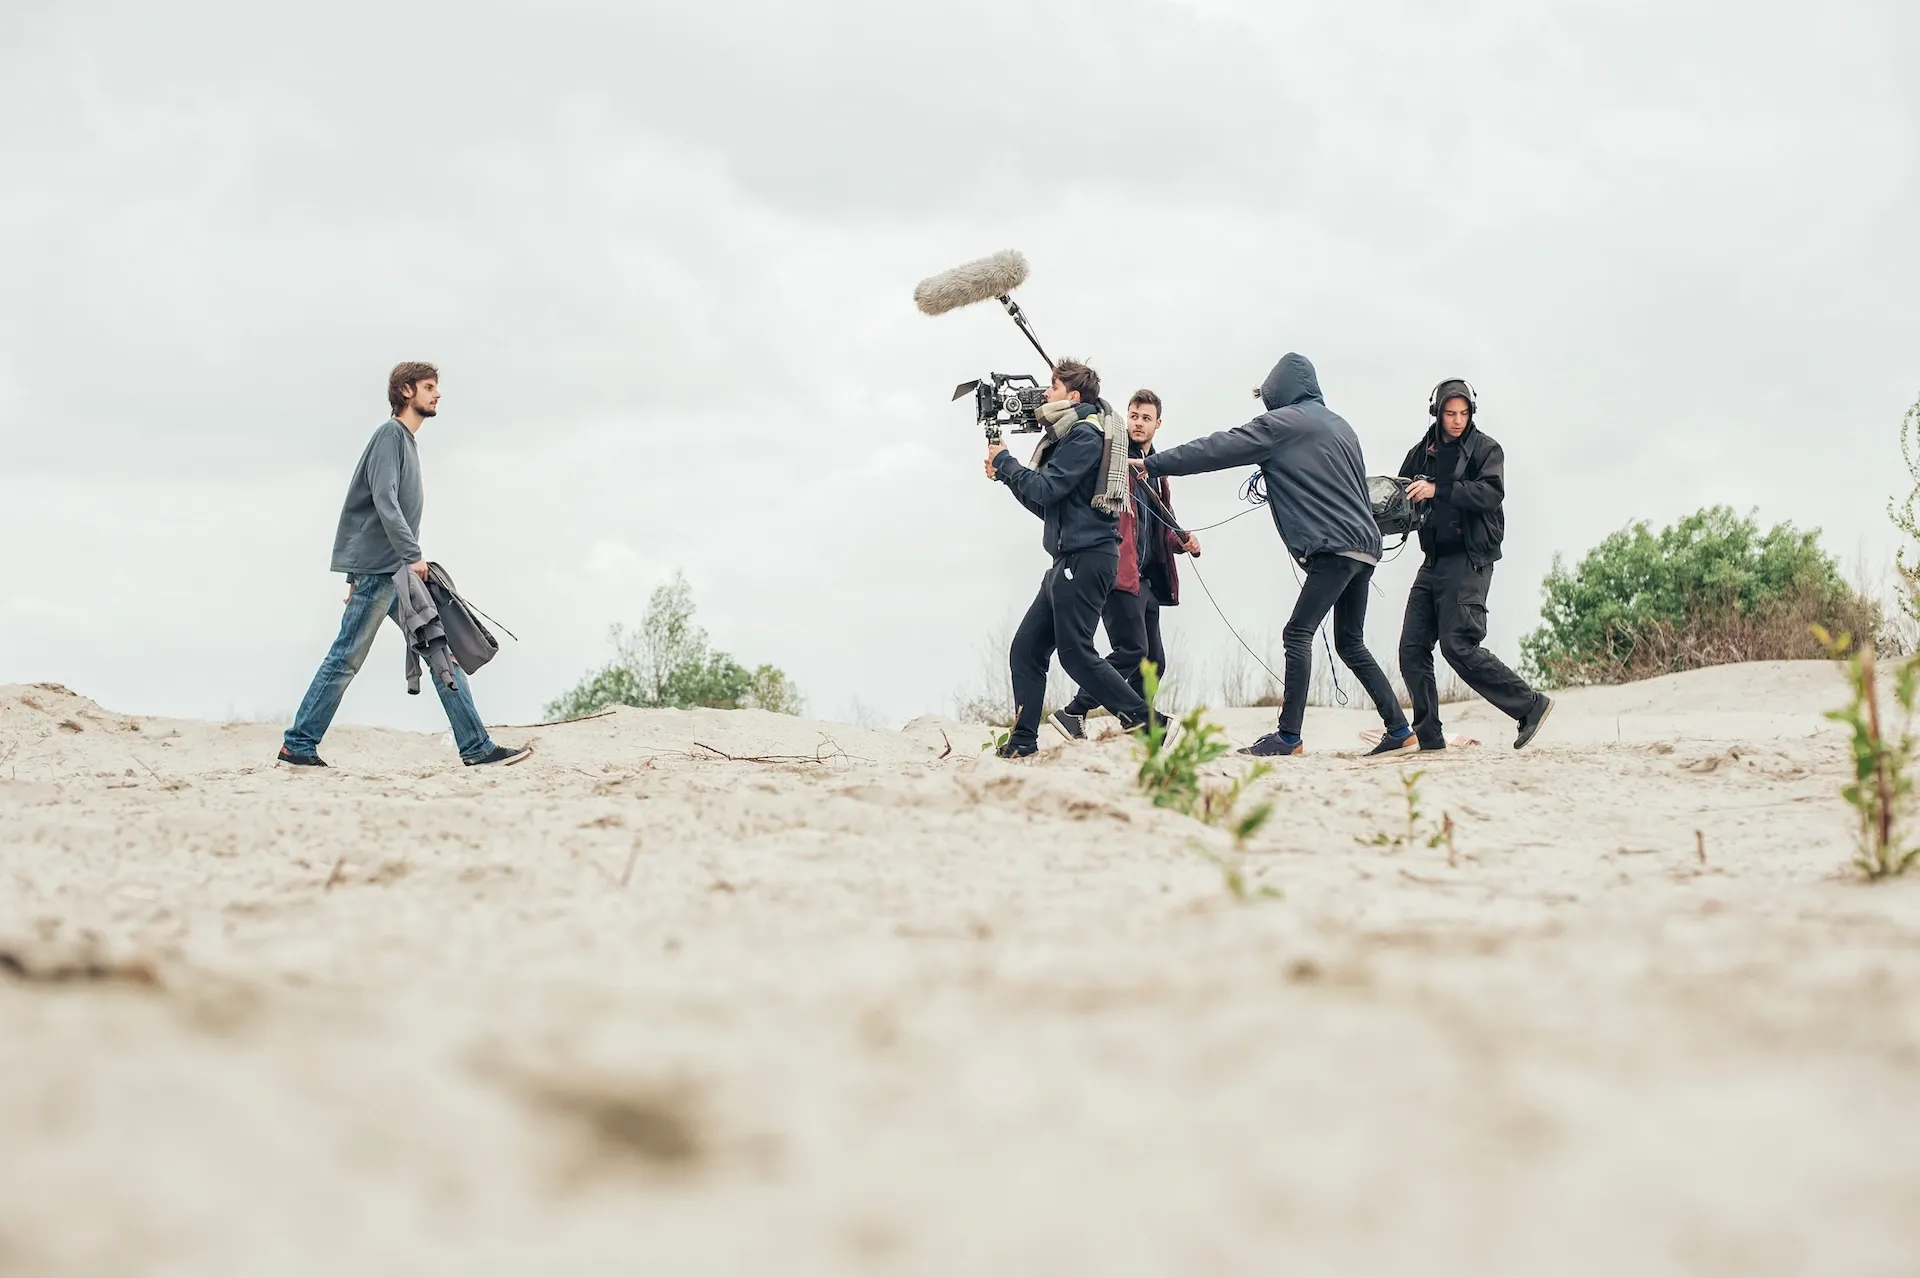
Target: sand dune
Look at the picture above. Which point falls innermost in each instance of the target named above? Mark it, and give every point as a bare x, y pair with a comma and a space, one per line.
635, 1007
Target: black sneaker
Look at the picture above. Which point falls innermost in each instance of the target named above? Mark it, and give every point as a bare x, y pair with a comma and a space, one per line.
293, 760
1389, 746
1273, 746
1169, 728
1011, 749
508, 755
1074, 726
1530, 726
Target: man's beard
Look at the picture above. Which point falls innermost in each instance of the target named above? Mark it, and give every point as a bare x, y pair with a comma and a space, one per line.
426, 412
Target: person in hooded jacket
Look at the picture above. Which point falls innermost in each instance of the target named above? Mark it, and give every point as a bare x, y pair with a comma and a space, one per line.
1316, 480
1459, 475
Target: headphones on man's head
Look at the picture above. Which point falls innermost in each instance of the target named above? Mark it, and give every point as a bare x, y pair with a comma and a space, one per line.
1434, 401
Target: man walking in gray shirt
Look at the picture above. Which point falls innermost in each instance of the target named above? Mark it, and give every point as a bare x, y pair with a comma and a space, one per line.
379, 535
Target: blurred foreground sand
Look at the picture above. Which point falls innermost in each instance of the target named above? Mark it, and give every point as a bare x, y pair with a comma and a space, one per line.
635, 1008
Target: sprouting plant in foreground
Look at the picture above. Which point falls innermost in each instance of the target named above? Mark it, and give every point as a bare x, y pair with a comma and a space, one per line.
1905, 517
1410, 795
1170, 773
1170, 776
1882, 785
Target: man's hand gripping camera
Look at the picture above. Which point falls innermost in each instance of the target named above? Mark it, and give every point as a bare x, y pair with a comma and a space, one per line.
1004, 402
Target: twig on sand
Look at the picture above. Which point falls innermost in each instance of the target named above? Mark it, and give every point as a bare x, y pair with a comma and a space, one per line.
945, 742
338, 875
626, 875
1700, 846
1411, 877
559, 723
828, 752
164, 783
756, 758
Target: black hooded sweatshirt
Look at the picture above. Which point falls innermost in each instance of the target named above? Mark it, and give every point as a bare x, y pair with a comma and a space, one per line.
1470, 483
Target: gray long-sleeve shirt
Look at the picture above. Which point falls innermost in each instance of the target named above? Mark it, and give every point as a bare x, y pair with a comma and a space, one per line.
379, 530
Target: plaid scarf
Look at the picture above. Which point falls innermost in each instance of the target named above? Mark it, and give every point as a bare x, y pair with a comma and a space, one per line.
1115, 495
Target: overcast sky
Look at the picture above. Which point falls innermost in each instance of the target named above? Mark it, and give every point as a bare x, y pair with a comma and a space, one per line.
664, 253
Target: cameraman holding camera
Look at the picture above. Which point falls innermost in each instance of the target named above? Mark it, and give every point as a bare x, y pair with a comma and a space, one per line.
1316, 482
1459, 472
1067, 486
1148, 579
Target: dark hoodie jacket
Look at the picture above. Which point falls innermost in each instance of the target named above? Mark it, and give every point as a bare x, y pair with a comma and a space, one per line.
1061, 491
1469, 484
1315, 474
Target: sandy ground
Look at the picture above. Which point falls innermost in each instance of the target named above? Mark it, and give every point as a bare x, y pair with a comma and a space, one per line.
636, 1008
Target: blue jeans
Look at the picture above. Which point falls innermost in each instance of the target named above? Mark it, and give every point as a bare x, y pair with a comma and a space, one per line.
372, 599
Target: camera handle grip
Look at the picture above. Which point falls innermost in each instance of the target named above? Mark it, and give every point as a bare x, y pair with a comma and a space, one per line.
993, 437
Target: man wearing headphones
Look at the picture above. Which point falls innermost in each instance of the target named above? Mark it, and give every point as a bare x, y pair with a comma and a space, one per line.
1459, 474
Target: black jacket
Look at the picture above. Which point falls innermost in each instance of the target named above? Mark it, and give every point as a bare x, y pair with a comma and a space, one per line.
1062, 490
1315, 474
1472, 493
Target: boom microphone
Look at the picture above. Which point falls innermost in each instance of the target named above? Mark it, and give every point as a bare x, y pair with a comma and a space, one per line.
981, 281
991, 277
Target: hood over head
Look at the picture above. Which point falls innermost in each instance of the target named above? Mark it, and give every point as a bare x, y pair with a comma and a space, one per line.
1452, 388
1292, 381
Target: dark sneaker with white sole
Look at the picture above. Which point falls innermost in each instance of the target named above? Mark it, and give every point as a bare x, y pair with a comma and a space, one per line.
1016, 749
1169, 729
507, 755
1074, 726
293, 760
1273, 745
1530, 726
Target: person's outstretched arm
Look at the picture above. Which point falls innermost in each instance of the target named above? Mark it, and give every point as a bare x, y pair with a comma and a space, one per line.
1242, 446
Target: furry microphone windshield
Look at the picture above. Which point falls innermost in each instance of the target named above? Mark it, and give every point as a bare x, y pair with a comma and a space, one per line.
981, 281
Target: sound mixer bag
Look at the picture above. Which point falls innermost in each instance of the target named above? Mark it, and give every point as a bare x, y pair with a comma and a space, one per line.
1395, 515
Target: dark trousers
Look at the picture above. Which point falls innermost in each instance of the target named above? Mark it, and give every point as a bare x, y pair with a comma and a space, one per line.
1338, 585
1133, 632
1448, 606
1062, 619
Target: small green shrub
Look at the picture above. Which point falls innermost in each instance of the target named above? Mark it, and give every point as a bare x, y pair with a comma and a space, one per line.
1882, 787
1170, 776
1710, 589
1410, 795
667, 662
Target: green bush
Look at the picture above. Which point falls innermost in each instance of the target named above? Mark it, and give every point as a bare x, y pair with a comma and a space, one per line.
667, 663
1708, 590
